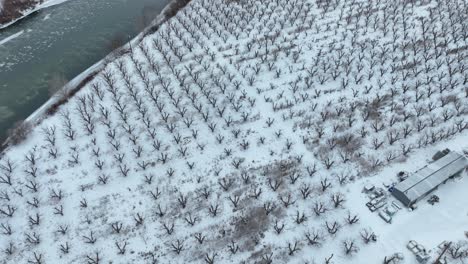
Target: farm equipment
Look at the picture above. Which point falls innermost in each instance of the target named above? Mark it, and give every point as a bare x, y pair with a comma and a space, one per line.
402, 175
419, 251
433, 199
394, 259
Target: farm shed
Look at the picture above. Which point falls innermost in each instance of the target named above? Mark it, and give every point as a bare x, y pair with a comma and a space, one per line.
429, 177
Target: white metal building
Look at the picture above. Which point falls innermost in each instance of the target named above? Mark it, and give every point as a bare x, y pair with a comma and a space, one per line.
429, 177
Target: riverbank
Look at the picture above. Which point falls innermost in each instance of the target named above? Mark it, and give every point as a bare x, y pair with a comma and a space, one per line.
14, 11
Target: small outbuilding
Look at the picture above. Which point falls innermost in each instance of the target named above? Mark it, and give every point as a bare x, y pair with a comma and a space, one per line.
428, 178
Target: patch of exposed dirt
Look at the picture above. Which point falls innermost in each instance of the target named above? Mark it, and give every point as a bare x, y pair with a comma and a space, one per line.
249, 229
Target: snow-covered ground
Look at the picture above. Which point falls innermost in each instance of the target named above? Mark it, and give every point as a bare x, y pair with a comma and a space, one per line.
244, 132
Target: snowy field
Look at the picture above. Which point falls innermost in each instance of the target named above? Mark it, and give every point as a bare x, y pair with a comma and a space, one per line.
244, 132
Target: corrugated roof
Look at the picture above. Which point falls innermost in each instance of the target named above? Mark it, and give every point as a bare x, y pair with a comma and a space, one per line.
432, 175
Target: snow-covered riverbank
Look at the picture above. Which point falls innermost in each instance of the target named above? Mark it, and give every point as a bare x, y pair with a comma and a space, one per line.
35, 6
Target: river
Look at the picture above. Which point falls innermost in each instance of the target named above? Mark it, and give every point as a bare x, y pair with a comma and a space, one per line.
61, 40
